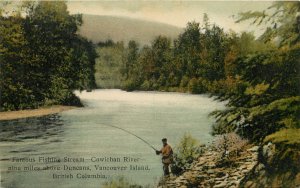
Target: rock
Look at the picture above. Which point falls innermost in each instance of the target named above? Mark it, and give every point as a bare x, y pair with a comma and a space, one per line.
242, 167
220, 174
236, 183
211, 181
208, 153
248, 163
183, 186
200, 177
253, 149
204, 172
236, 174
198, 168
210, 166
180, 181
248, 183
233, 178
250, 166
201, 161
220, 179
222, 184
250, 159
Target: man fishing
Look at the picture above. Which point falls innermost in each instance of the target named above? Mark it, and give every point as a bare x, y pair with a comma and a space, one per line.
166, 150
167, 156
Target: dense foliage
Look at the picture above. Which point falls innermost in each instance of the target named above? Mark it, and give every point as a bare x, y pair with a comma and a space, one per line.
43, 59
268, 99
258, 77
187, 150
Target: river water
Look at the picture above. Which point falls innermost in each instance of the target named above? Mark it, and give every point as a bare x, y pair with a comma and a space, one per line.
83, 138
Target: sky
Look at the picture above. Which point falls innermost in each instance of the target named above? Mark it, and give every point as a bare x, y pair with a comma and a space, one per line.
176, 13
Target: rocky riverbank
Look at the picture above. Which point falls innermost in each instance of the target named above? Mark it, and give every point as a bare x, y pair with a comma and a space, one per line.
206, 172
247, 170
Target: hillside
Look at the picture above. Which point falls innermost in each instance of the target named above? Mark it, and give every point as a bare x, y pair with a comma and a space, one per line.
100, 28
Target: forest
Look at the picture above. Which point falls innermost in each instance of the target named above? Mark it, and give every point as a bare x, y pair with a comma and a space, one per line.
43, 59
259, 77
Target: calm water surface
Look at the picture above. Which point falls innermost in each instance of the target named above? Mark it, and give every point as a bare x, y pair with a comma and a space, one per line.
86, 133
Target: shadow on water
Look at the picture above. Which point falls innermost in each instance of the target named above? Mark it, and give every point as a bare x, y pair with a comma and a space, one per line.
30, 128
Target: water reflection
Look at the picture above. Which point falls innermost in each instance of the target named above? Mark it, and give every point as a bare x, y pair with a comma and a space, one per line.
30, 128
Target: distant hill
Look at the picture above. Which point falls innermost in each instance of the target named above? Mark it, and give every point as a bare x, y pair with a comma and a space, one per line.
100, 28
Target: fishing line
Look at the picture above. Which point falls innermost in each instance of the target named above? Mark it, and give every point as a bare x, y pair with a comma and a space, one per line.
131, 134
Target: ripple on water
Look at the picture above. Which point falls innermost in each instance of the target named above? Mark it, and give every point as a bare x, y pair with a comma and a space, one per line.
30, 128
85, 132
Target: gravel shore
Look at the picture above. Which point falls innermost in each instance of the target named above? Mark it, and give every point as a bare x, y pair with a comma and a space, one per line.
10, 115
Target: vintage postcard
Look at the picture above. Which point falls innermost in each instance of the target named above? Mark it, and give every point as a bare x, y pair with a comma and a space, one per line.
132, 94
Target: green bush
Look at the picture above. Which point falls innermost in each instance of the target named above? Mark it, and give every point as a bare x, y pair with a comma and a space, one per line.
130, 85
184, 81
146, 85
287, 142
197, 86
192, 85
186, 151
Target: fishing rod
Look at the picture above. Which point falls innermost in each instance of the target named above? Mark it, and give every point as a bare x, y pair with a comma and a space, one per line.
131, 134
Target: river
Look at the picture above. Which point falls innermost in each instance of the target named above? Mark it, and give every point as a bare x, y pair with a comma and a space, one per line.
84, 137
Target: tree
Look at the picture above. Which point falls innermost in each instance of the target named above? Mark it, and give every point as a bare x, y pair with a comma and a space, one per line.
161, 51
268, 96
15, 83
131, 67
131, 57
187, 49
214, 48
42, 58
283, 22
